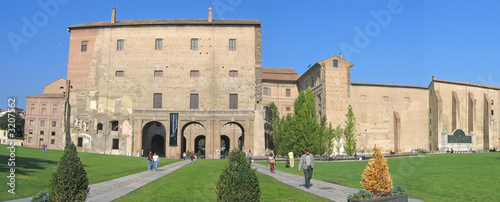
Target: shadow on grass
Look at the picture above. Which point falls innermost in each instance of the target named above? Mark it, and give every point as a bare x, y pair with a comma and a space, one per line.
27, 165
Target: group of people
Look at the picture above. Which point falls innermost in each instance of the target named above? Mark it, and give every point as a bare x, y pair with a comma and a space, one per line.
306, 164
153, 160
332, 156
192, 155
44, 147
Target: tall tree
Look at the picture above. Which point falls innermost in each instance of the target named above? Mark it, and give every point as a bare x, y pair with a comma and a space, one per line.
337, 137
271, 117
303, 129
13, 124
350, 132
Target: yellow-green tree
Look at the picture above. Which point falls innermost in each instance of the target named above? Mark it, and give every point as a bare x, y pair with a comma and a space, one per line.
376, 178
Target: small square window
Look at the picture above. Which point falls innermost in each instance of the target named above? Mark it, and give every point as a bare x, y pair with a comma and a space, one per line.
52, 141
158, 73
288, 92
80, 142
194, 73
288, 109
232, 44
335, 63
42, 123
119, 73
233, 73
84, 46
267, 91
30, 132
54, 124
116, 143
119, 44
194, 44
158, 44
32, 122
42, 132
53, 133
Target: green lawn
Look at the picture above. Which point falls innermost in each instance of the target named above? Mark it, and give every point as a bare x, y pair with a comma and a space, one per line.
197, 182
34, 169
433, 177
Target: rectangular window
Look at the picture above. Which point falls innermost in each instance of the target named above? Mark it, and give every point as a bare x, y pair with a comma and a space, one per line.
288, 109
119, 73
52, 141
157, 100
30, 132
194, 101
5, 133
116, 143
158, 44
84, 46
32, 122
80, 142
54, 124
492, 112
335, 63
194, 44
42, 123
42, 132
53, 133
233, 73
158, 73
233, 101
114, 125
194, 73
267, 91
492, 102
232, 44
119, 44
30, 139
288, 92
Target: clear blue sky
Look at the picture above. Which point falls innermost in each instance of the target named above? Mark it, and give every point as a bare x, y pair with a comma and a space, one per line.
452, 39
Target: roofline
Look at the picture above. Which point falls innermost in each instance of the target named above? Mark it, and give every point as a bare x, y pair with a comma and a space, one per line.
125, 23
389, 85
54, 81
280, 81
466, 84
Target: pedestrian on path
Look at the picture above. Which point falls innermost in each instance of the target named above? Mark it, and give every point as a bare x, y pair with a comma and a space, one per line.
307, 164
249, 156
272, 162
156, 160
150, 160
192, 155
43, 147
290, 157
184, 155
325, 155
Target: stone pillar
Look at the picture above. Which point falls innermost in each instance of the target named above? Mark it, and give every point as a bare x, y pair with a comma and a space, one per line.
444, 141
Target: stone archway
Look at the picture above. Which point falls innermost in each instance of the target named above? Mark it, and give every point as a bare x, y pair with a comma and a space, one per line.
236, 133
151, 133
189, 134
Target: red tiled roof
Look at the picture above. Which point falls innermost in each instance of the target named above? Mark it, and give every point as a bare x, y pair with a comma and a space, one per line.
166, 22
279, 74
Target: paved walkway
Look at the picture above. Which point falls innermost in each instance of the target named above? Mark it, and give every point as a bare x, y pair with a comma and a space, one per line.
324, 189
113, 189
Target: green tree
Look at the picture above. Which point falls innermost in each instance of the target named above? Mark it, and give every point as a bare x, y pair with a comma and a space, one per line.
69, 181
337, 137
350, 135
13, 126
271, 117
238, 181
303, 129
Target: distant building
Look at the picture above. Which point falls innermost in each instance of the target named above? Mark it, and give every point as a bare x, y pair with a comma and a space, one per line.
43, 116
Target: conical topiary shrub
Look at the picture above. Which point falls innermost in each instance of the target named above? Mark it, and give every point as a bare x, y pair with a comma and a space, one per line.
238, 181
376, 178
69, 181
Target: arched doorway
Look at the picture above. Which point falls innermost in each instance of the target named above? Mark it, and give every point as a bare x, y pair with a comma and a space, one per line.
153, 134
225, 146
158, 145
190, 136
199, 145
235, 132
183, 146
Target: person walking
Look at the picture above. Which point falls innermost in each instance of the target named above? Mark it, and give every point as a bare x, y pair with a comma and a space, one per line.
307, 164
150, 160
325, 155
272, 161
290, 157
249, 156
43, 147
156, 160
184, 155
192, 155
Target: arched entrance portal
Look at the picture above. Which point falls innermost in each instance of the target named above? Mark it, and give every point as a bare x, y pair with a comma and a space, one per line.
225, 145
153, 137
158, 145
235, 132
199, 145
192, 134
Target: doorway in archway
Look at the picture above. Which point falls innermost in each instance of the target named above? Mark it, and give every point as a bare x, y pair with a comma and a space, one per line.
158, 145
225, 146
199, 145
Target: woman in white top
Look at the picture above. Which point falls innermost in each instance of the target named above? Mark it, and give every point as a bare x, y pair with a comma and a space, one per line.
156, 161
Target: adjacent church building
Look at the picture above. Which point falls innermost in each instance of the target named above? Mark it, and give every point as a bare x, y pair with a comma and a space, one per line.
180, 85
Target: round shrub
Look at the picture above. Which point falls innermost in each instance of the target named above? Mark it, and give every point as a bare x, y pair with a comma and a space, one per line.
238, 181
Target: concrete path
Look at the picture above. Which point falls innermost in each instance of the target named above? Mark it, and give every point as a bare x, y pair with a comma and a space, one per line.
323, 189
113, 189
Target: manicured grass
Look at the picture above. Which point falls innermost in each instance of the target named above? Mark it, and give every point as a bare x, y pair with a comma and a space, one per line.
433, 177
34, 169
197, 182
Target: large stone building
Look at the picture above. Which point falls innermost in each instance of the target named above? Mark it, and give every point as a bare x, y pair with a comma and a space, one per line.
172, 86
